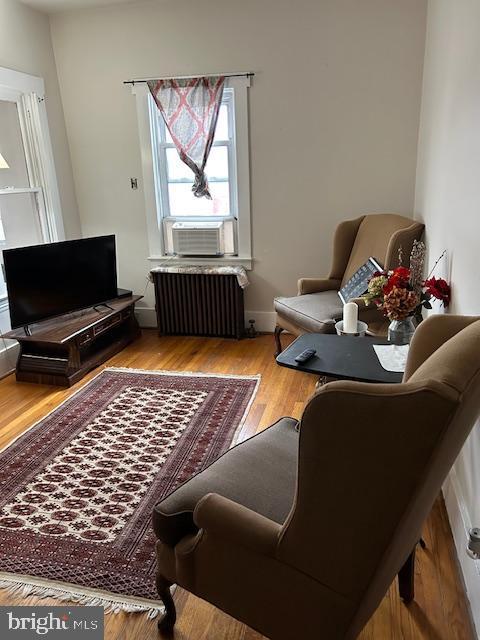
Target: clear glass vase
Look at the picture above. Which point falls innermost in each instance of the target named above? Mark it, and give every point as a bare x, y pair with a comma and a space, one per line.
401, 331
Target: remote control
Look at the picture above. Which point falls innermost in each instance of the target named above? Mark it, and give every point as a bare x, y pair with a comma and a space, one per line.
305, 355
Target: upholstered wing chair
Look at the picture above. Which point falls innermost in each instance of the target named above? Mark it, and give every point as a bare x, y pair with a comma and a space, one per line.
299, 531
317, 306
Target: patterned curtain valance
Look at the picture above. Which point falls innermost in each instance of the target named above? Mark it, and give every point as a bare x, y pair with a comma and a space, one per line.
190, 107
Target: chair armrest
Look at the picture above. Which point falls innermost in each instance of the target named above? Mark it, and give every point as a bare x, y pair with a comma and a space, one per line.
236, 523
431, 335
316, 285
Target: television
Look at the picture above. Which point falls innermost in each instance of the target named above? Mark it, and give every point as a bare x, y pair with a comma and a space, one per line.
49, 280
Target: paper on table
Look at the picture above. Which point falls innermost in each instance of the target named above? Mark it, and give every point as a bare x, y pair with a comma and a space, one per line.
392, 357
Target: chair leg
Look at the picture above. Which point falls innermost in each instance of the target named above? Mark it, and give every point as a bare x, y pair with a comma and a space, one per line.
406, 579
167, 621
278, 343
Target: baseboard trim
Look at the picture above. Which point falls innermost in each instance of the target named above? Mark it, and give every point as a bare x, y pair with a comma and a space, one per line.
8, 359
460, 525
147, 317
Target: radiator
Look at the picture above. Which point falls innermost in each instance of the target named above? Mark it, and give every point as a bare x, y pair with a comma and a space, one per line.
197, 304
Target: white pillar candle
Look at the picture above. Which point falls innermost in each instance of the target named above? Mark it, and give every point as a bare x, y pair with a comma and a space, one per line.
350, 317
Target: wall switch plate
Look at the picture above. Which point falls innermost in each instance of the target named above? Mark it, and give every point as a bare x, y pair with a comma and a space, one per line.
134, 183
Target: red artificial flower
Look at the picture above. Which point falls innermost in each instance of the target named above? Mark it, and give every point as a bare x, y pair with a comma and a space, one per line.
440, 289
399, 278
402, 273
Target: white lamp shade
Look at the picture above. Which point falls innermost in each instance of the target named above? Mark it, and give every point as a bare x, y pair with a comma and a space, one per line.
3, 163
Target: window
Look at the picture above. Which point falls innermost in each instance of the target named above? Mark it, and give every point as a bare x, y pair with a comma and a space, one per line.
20, 205
29, 201
177, 198
168, 181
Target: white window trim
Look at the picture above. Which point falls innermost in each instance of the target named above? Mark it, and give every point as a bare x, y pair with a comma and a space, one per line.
153, 204
28, 92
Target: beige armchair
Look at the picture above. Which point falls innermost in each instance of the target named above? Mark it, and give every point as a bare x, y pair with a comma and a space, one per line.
317, 306
283, 531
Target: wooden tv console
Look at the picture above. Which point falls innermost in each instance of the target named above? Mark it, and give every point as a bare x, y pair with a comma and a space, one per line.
62, 350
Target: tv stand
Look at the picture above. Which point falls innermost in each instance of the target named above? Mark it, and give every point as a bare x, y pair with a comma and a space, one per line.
62, 350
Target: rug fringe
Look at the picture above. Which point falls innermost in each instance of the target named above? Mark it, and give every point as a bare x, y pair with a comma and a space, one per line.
25, 589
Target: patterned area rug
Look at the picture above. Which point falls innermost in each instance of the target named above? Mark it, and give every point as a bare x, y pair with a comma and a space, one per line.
77, 489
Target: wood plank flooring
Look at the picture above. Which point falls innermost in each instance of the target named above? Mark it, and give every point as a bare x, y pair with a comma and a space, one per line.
440, 610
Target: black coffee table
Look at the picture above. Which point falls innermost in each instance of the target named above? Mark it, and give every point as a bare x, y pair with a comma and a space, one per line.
342, 357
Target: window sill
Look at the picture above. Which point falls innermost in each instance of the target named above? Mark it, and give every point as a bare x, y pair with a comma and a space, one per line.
175, 260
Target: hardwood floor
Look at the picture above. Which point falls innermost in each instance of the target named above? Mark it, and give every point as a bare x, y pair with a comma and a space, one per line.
440, 610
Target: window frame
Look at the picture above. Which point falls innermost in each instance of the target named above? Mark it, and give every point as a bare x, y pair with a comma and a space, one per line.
28, 93
162, 145
155, 186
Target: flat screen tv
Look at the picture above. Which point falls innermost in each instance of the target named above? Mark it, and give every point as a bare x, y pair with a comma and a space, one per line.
52, 279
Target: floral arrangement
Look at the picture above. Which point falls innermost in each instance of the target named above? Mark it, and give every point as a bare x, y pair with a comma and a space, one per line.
403, 292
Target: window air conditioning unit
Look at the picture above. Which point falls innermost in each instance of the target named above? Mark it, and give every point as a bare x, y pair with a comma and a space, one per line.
198, 238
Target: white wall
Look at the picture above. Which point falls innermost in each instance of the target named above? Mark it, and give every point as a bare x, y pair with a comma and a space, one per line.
448, 200
334, 113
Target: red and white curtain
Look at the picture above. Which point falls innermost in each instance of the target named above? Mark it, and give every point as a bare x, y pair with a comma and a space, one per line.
190, 109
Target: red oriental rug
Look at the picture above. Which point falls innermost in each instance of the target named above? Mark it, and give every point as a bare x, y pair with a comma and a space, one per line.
78, 488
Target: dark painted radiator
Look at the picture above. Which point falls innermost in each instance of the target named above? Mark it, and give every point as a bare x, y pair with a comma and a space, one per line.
198, 304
